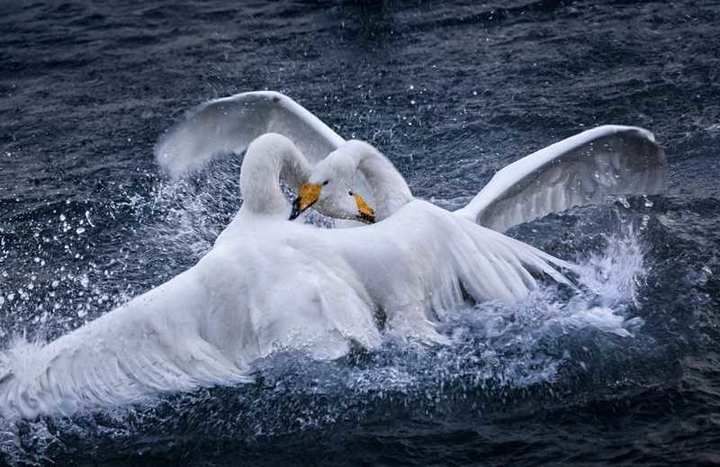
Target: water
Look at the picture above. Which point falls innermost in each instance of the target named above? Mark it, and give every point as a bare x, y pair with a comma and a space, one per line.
626, 371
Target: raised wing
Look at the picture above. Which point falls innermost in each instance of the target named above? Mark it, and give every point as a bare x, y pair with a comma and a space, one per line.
582, 169
231, 123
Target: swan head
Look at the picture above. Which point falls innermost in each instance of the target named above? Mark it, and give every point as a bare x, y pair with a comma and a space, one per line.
330, 190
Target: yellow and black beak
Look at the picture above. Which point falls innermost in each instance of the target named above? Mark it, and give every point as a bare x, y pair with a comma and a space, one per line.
366, 214
308, 194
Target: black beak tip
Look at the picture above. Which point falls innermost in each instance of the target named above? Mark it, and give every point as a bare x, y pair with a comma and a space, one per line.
364, 218
295, 210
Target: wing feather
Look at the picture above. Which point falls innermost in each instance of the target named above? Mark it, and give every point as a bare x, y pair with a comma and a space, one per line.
231, 123
582, 169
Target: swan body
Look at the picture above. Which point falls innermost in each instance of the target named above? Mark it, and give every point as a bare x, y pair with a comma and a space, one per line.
269, 284
411, 289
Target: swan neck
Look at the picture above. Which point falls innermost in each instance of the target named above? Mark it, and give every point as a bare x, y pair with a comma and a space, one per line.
269, 159
389, 189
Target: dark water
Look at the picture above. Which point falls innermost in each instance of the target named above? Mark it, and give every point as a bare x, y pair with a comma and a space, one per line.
451, 92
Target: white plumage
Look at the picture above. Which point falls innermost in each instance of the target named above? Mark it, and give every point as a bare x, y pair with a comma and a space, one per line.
270, 284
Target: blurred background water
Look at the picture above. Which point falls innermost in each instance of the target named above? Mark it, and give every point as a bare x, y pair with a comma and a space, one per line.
451, 92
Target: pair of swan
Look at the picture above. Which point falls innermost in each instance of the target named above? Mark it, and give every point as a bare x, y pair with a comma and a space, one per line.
270, 284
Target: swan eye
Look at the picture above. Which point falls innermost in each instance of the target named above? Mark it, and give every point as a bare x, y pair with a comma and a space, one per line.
326, 182
350, 193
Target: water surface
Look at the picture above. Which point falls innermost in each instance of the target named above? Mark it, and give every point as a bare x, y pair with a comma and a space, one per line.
451, 92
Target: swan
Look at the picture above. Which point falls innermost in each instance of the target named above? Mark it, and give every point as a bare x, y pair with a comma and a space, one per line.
408, 289
261, 288
229, 124
270, 284
583, 169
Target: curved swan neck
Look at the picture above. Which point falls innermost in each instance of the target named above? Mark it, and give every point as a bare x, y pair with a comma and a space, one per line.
268, 159
390, 191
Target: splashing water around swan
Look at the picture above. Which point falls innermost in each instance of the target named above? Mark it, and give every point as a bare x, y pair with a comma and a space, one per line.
491, 345
270, 285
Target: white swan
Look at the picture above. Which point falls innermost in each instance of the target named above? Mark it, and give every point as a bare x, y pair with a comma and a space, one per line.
415, 265
582, 169
270, 284
263, 287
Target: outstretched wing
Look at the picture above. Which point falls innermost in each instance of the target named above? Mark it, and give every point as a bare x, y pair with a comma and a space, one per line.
154, 343
582, 169
231, 123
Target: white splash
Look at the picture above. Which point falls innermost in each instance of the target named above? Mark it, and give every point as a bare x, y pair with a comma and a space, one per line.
616, 273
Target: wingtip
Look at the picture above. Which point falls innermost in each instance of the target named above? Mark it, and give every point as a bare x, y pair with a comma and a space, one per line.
613, 128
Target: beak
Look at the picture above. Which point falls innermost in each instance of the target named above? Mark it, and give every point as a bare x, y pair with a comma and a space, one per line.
366, 214
308, 194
